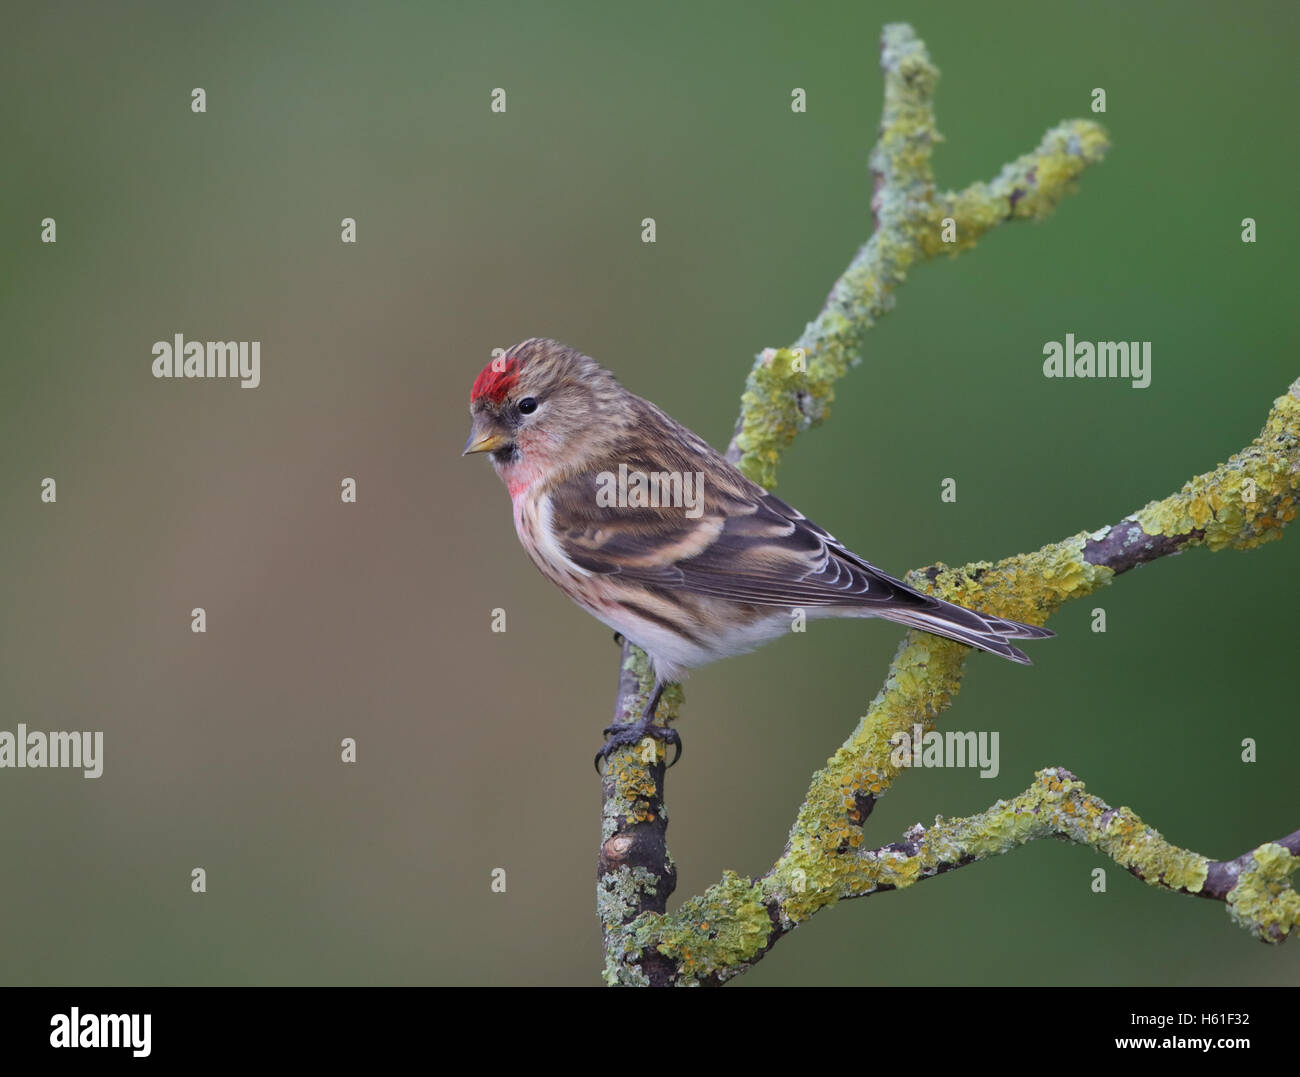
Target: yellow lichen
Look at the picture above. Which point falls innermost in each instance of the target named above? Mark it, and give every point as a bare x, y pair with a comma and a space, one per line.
1241, 504
1263, 900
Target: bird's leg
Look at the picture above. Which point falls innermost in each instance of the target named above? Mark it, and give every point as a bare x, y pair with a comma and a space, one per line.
621, 736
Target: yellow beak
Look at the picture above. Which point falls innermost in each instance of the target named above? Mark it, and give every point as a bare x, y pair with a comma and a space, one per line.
484, 441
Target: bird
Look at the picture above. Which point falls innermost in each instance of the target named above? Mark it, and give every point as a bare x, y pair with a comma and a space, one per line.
651, 530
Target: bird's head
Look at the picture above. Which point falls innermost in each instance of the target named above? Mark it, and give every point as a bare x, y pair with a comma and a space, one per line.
541, 405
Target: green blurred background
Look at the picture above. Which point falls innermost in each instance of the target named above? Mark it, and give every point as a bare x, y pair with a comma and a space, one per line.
476, 230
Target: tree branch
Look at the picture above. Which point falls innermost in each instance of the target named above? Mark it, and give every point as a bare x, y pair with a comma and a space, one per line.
1255, 885
719, 934
1244, 502
791, 389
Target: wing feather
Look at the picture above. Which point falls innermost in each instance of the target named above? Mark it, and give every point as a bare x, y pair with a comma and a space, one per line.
741, 544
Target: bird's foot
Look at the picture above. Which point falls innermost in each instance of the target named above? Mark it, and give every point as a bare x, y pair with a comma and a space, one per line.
624, 736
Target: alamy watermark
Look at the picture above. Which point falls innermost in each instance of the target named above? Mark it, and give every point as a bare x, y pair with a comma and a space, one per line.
179, 358
948, 749
34, 748
651, 490
1105, 359
77, 1029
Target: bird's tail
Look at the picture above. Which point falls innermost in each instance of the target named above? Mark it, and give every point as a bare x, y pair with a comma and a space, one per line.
910, 607
980, 630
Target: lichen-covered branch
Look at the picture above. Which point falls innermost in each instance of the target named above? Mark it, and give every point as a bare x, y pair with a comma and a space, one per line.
790, 389
635, 872
1239, 504
1255, 885
723, 932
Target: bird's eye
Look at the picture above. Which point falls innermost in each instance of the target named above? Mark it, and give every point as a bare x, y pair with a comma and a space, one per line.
528, 405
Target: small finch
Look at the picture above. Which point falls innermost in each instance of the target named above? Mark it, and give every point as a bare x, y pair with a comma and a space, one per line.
646, 527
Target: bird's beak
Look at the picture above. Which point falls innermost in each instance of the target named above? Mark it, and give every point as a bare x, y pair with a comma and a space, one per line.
482, 438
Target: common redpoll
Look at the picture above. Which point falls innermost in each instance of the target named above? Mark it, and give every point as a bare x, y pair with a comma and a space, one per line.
649, 529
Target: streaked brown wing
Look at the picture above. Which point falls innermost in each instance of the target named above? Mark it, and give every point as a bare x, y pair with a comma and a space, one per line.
746, 546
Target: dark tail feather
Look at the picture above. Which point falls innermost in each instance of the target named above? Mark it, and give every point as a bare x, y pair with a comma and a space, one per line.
1016, 630
966, 626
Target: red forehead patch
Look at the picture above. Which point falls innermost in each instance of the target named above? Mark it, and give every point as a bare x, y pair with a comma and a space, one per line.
495, 380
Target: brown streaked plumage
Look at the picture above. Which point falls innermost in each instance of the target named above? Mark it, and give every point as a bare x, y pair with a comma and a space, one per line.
716, 574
